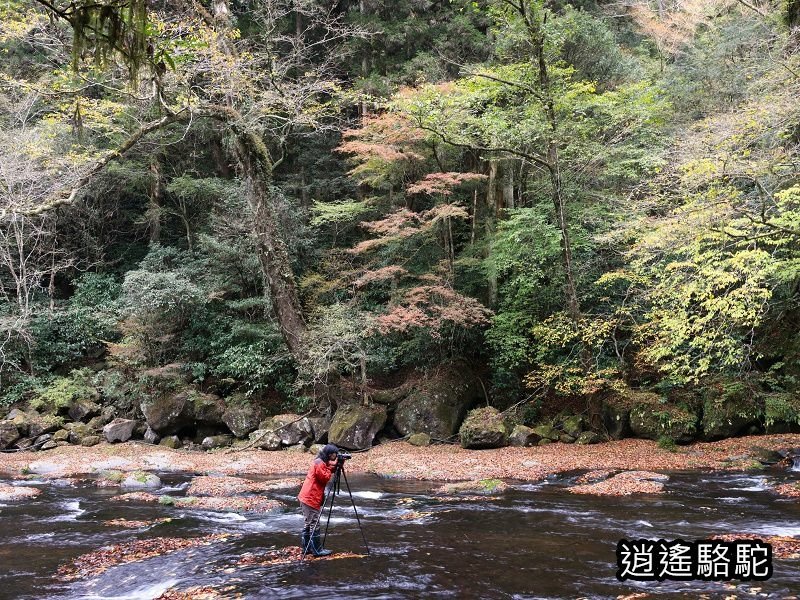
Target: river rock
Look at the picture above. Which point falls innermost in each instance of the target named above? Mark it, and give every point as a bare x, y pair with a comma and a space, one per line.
216, 441
242, 416
566, 439
40, 440
24, 444
320, 426
438, 403
150, 436
81, 409
119, 430
419, 439
290, 428
573, 426
588, 437
523, 436
172, 441
90, 440
547, 432
483, 428
265, 439
168, 413
355, 426
33, 424
62, 435
141, 480
8, 434
77, 431
49, 445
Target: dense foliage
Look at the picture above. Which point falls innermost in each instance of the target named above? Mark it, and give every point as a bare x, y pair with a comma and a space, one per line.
575, 197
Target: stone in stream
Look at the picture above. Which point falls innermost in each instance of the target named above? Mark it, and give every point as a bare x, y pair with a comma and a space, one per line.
119, 430
140, 480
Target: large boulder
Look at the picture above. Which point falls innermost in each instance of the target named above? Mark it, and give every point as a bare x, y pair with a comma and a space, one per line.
8, 434
321, 426
77, 431
523, 436
119, 430
33, 424
616, 410
291, 429
355, 426
170, 412
547, 432
483, 428
437, 404
729, 409
265, 439
213, 442
241, 415
82, 409
573, 425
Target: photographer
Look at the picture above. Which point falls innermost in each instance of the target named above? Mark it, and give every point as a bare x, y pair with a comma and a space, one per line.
311, 497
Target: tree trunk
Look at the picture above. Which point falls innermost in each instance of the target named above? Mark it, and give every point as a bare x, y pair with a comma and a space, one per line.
272, 253
154, 208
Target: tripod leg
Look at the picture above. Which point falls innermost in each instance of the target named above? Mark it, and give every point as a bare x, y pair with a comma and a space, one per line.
355, 510
334, 490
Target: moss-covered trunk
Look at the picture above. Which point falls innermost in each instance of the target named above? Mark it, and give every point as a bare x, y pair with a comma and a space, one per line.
273, 256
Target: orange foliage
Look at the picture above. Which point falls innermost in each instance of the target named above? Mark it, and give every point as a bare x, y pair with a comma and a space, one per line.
432, 307
442, 183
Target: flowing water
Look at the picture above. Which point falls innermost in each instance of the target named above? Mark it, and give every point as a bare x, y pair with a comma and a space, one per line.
532, 541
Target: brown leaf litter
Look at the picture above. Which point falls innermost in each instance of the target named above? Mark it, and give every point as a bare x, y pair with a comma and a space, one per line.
288, 555
94, 563
624, 484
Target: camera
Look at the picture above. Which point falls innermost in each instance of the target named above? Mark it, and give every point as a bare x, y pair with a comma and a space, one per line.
343, 456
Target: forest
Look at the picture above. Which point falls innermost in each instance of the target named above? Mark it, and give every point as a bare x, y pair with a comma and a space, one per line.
549, 209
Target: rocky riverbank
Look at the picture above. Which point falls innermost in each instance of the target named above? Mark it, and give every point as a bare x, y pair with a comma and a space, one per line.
403, 460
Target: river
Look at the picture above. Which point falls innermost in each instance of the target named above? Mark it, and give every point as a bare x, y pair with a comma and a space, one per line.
531, 541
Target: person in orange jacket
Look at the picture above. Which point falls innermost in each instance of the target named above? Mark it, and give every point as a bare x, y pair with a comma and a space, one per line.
312, 495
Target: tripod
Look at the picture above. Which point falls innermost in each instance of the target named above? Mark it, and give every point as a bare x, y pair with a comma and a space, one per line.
334, 490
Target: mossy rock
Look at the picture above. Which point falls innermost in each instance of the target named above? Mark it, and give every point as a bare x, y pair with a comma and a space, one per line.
588, 437
616, 410
573, 425
438, 403
241, 415
522, 436
657, 420
483, 428
419, 439
547, 432
355, 426
141, 480
729, 409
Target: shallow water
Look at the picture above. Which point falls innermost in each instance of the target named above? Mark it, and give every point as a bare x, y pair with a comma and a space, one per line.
533, 541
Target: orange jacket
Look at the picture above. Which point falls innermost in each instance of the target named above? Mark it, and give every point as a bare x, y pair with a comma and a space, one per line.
313, 490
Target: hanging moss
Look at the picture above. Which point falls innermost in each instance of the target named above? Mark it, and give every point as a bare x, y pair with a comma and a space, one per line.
104, 29
791, 12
